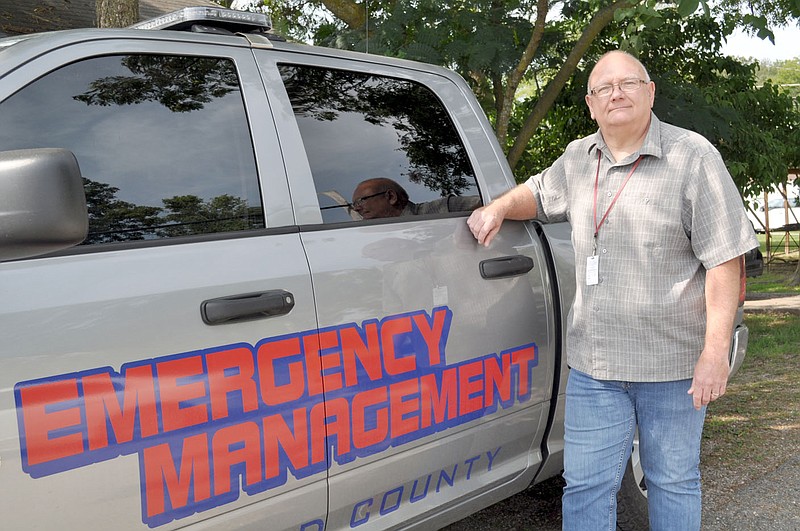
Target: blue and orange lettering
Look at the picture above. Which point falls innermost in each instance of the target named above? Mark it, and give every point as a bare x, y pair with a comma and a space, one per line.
404, 402
168, 487
49, 408
231, 371
378, 421
232, 446
179, 384
392, 329
470, 384
102, 404
363, 346
280, 357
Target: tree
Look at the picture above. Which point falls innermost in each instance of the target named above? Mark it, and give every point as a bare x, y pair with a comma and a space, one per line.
114, 220
784, 74
116, 13
501, 45
180, 83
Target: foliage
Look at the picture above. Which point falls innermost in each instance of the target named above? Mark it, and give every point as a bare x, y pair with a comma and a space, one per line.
113, 220
500, 46
424, 130
180, 83
784, 74
189, 215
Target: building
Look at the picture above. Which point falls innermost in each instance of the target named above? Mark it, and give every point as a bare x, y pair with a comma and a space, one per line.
30, 16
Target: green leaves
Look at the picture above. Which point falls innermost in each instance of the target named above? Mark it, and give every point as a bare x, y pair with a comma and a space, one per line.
688, 7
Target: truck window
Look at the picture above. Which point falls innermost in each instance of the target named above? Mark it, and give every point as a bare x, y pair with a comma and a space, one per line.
391, 136
162, 142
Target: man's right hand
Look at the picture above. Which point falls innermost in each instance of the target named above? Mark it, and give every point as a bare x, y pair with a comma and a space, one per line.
485, 222
517, 204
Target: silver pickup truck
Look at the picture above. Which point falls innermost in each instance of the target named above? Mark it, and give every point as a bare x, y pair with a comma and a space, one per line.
200, 330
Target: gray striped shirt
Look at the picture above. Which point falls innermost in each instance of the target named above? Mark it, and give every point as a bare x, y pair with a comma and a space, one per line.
679, 215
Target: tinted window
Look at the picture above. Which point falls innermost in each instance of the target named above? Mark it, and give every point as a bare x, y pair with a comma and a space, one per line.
357, 126
162, 142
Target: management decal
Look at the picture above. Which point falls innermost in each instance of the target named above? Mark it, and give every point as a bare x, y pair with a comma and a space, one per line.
209, 424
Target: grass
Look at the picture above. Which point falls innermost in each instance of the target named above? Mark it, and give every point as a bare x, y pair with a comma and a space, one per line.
778, 268
758, 419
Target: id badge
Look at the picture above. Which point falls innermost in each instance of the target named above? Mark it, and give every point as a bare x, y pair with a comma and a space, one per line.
592, 270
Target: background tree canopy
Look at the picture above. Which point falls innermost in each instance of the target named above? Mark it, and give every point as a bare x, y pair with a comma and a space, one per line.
528, 61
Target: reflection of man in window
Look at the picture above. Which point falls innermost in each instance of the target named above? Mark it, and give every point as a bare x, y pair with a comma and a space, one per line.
384, 198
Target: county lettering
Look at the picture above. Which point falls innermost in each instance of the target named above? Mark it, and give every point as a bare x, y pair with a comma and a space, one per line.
208, 423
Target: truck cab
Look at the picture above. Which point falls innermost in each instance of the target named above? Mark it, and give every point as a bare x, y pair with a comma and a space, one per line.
201, 330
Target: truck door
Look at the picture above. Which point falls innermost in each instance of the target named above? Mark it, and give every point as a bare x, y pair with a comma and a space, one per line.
145, 377
436, 361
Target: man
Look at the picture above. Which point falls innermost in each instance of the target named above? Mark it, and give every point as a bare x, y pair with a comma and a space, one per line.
383, 198
658, 229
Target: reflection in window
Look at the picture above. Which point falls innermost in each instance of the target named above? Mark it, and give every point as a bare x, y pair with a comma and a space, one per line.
162, 142
357, 126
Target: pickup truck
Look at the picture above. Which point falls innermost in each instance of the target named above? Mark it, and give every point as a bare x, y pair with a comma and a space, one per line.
199, 330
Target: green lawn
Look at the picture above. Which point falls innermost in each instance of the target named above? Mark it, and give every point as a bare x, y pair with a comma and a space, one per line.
761, 408
778, 267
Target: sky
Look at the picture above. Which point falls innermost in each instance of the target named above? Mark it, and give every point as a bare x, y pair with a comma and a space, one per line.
787, 45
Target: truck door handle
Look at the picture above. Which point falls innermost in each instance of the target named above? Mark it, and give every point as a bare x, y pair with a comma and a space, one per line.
506, 266
247, 306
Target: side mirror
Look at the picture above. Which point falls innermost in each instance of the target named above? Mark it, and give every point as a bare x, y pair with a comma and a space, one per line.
42, 202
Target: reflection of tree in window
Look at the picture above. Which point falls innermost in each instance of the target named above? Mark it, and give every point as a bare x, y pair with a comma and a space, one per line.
113, 220
437, 158
181, 84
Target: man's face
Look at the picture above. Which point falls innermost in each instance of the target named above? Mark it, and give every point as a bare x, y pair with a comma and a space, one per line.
371, 201
619, 108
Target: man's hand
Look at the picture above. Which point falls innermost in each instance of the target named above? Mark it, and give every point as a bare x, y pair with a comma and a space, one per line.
710, 378
485, 222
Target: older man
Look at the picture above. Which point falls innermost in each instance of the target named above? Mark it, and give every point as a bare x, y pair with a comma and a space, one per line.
658, 229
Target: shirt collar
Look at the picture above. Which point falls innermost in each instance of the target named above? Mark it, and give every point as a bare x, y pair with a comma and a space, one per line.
650, 146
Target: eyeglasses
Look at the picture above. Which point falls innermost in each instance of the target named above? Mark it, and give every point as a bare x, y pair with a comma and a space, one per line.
629, 85
358, 203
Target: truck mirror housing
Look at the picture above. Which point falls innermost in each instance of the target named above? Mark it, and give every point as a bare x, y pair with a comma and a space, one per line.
42, 202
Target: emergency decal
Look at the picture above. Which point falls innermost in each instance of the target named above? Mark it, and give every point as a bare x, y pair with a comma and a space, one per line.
207, 425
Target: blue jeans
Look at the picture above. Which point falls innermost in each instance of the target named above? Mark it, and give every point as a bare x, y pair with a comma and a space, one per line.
601, 419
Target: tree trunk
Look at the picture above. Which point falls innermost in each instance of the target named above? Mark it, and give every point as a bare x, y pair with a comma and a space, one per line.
116, 13
601, 19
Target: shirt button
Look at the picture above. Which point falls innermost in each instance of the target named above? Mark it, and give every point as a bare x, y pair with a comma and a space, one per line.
608, 194
605, 251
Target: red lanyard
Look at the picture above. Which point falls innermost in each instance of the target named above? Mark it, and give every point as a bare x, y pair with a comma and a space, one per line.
613, 201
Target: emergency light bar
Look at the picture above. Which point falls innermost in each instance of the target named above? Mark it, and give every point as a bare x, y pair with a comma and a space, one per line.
185, 18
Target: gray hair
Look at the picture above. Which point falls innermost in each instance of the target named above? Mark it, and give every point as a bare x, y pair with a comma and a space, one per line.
638, 62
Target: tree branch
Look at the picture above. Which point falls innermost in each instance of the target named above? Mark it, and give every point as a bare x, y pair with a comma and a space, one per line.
602, 19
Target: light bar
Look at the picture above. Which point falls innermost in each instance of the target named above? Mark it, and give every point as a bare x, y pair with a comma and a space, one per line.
206, 15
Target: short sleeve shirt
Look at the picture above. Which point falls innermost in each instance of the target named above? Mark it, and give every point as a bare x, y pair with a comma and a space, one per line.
678, 215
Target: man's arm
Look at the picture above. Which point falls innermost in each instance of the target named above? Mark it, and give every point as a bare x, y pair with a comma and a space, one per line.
518, 204
722, 300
